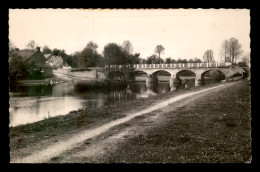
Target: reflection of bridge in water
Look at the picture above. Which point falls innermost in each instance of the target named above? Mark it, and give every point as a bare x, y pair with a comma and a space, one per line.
174, 70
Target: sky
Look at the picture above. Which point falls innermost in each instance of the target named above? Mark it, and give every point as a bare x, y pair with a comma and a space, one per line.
184, 33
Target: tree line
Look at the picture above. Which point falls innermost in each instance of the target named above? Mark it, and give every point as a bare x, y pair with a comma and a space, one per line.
114, 54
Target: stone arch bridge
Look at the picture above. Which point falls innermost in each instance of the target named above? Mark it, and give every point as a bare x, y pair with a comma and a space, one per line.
199, 69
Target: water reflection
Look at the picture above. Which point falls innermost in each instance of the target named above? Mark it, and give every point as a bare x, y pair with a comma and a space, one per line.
31, 104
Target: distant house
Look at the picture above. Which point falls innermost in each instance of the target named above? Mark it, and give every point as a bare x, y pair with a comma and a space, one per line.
36, 61
65, 65
55, 61
47, 56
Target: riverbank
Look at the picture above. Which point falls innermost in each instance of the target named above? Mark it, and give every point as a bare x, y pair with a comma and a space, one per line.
28, 139
214, 128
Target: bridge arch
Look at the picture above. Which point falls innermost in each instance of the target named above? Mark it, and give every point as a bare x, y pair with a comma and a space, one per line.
161, 70
140, 72
186, 72
219, 71
235, 74
161, 75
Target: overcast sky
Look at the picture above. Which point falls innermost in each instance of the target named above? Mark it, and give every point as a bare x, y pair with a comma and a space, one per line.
183, 33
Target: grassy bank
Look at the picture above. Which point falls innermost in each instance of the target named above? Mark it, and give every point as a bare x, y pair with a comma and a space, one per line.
214, 128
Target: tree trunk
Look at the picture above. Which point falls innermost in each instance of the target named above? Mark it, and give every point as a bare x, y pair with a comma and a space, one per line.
159, 59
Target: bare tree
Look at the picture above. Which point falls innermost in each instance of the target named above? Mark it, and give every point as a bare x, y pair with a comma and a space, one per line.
224, 52
31, 45
231, 50
159, 50
127, 47
234, 49
208, 56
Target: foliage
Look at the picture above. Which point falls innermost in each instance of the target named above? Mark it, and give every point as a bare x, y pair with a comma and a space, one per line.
31, 45
17, 68
197, 61
134, 59
191, 61
242, 64
159, 50
246, 59
127, 47
173, 61
11, 46
154, 59
184, 61
46, 50
231, 49
168, 60
58, 52
114, 55
179, 60
89, 57
208, 56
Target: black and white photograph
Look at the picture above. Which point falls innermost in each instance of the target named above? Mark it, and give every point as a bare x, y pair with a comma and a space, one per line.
131, 86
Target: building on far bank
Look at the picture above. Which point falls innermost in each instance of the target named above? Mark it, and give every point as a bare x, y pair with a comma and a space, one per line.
55, 61
36, 62
66, 66
47, 56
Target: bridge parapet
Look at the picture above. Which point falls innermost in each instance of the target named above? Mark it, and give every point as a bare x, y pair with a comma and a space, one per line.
168, 65
179, 65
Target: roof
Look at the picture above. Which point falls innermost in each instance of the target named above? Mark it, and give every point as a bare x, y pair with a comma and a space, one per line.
55, 61
26, 53
47, 55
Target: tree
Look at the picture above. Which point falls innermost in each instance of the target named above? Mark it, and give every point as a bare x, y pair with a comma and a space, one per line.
31, 45
135, 59
152, 59
246, 59
234, 49
224, 51
184, 61
179, 60
92, 46
46, 50
231, 49
173, 61
159, 50
196, 60
18, 69
11, 46
57, 52
127, 48
114, 55
168, 60
208, 56
242, 64
191, 61
143, 61
89, 56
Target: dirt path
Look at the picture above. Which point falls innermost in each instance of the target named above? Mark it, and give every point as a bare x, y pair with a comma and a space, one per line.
71, 150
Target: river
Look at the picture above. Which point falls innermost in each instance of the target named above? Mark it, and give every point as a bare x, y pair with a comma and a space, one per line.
35, 103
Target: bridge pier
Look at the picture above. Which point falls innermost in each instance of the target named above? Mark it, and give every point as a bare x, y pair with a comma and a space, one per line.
151, 79
175, 81
198, 81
